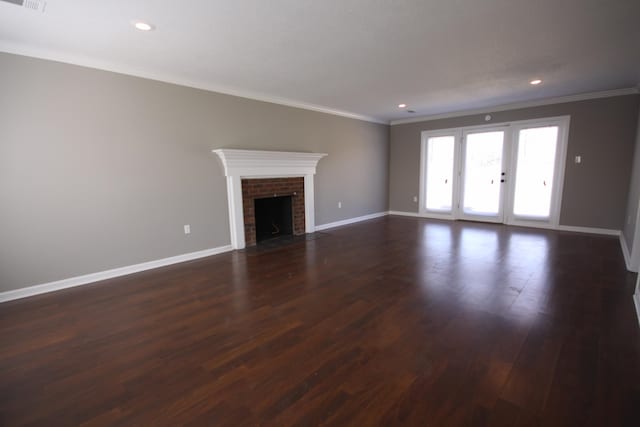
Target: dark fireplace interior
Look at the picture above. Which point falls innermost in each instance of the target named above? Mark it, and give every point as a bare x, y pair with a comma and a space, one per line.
274, 217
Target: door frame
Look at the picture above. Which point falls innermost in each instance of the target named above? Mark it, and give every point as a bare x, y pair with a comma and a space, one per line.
511, 134
506, 146
562, 122
455, 185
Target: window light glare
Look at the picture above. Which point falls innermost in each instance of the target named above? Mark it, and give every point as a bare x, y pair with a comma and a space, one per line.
143, 26
402, 105
535, 82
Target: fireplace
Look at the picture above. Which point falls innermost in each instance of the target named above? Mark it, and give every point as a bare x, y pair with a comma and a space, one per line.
270, 204
253, 165
274, 218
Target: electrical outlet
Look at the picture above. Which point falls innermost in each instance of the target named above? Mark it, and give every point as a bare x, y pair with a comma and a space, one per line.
415, 199
339, 205
187, 229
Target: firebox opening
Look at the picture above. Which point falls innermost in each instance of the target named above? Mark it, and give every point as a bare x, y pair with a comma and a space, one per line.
274, 217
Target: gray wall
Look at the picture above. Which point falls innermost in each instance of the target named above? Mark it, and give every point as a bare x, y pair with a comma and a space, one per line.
595, 192
100, 170
629, 229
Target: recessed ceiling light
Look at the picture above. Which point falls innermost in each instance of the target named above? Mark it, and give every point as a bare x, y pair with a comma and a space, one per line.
143, 26
535, 82
402, 105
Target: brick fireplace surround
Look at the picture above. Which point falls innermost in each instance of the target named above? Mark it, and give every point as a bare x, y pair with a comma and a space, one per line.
269, 187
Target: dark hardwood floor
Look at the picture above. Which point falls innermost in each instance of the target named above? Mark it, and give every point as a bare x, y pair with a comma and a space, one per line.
394, 321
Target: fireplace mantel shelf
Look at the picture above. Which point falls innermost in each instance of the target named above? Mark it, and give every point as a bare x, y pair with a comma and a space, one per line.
240, 164
253, 163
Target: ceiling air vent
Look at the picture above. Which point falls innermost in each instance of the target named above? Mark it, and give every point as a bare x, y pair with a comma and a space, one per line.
38, 5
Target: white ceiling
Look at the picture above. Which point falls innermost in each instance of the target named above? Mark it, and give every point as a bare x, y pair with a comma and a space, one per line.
361, 57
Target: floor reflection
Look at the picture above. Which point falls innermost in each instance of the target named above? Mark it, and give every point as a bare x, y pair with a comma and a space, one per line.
497, 268
393, 321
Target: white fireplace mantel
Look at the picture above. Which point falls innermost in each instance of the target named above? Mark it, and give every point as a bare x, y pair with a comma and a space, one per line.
240, 164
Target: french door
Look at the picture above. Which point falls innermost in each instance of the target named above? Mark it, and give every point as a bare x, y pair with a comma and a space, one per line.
510, 173
483, 175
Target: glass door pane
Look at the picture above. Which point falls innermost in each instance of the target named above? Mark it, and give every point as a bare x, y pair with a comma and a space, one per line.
439, 170
482, 185
535, 168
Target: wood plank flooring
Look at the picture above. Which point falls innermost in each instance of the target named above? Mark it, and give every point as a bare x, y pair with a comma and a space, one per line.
394, 321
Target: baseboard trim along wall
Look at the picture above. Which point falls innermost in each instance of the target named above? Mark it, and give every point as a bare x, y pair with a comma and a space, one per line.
412, 214
627, 254
123, 271
350, 221
107, 274
590, 230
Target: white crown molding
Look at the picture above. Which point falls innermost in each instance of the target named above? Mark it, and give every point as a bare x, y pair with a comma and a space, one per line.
83, 61
518, 105
240, 164
107, 274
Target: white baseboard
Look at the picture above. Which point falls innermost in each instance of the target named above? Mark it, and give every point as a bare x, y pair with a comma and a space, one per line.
107, 274
401, 213
590, 230
350, 221
627, 255
422, 215
123, 271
